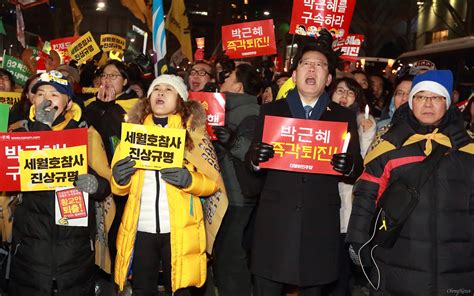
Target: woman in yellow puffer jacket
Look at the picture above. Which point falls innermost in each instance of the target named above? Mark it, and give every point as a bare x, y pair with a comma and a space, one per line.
163, 217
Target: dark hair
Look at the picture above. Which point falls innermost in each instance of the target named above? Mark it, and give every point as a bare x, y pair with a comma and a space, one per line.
282, 75
355, 87
467, 113
406, 77
323, 45
123, 70
9, 75
213, 69
250, 79
357, 71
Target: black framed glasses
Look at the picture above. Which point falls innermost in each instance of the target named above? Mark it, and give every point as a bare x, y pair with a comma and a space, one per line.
109, 76
199, 73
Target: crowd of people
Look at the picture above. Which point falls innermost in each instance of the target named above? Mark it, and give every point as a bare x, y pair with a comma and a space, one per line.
283, 232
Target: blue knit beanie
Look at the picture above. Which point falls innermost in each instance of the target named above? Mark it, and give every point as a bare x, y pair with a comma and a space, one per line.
436, 81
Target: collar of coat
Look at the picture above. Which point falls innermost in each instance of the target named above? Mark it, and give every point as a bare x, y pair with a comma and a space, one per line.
296, 107
450, 133
73, 114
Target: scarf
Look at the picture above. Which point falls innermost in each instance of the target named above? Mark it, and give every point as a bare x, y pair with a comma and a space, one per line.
296, 107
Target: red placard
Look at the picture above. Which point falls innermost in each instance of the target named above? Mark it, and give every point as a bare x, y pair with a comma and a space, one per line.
309, 16
28, 3
214, 104
12, 143
71, 203
249, 39
60, 46
303, 145
349, 46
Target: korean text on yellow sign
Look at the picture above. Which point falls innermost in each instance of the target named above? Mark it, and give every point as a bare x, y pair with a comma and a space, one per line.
48, 169
10, 98
84, 48
110, 42
153, 147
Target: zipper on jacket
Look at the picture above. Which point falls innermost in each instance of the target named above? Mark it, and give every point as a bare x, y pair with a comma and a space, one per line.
435, 240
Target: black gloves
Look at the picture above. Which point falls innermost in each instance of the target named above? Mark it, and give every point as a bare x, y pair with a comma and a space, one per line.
260, 152
144, 63
87, 183
44, 113
343, 163
225, 136
179, 177
123, 171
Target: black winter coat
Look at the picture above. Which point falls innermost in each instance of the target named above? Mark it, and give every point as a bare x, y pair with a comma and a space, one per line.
434, 254
47, 255
297, 226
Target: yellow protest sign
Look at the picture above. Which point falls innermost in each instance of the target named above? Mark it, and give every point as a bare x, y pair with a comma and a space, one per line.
10, 98
84, 48
49, 169
89, 90
153, 147
110, 42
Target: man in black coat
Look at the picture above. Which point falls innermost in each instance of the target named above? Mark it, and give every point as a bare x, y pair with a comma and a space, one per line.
297, 223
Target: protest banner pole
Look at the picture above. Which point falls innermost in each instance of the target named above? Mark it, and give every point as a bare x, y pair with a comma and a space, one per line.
291, 49
145, 37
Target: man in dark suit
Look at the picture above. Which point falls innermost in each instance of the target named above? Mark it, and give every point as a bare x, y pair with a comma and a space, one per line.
297, 222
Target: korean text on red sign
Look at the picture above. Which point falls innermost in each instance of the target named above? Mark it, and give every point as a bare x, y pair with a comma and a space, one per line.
12, 143
214, 105
249, 39
349, 46
303, 145
310, 16
61, 45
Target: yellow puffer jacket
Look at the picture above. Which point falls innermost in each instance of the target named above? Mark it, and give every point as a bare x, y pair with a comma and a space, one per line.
187, 237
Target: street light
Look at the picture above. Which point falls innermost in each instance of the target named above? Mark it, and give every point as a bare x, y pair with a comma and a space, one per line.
100, 6
267, 13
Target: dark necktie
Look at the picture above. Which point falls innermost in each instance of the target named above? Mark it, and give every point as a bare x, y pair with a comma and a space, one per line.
307, 111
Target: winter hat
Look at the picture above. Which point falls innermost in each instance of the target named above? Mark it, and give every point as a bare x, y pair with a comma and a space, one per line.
57, 80
173, 80
437, 81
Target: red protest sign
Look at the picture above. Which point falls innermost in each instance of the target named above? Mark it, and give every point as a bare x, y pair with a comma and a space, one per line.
303, 145
71, 203
349, 46
12, 143
214, 104
60, 46
309, 16
249, 39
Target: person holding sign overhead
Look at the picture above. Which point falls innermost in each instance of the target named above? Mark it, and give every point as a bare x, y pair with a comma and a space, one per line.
298, 216
163, 217
53, 259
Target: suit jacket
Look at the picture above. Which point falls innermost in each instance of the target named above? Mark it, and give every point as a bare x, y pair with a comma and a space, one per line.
297, 225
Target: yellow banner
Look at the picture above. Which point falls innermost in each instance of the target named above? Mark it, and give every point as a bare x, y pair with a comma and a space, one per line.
10, 98
89, 90
177, 23
110, 42
153, 147
48, 169
84, 48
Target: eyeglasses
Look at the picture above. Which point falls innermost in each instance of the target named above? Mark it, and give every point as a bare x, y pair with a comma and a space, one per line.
401, 93
340, 91
433, 99
316, 63
109, 76
198, 72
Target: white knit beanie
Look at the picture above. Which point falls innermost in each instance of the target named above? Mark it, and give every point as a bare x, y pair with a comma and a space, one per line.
173, 80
